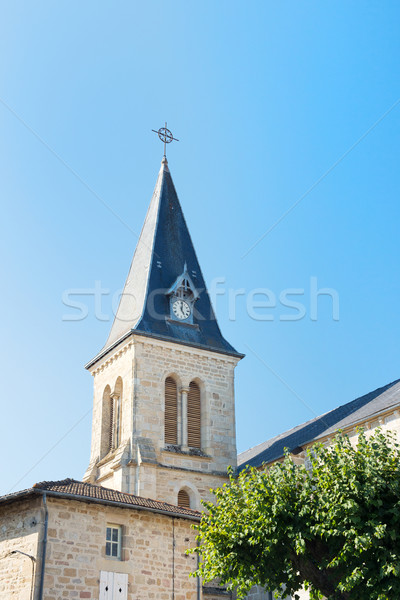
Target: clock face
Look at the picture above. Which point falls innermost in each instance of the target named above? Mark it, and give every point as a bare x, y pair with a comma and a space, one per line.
181, 309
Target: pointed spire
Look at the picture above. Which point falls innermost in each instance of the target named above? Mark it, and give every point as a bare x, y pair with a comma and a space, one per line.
164, 163
163, 247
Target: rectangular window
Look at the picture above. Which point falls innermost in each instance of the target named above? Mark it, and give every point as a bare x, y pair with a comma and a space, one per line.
113, 541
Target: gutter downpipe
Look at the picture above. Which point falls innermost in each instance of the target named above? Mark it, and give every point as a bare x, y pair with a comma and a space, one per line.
44, 547
173, 558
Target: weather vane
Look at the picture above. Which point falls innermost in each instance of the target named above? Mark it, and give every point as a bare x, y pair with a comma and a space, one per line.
165, 136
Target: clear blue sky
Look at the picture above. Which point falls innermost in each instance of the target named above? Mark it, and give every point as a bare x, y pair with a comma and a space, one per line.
265, 98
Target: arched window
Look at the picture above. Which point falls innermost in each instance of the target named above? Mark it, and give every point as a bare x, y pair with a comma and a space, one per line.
106, 419
183, 499
194, 416
117, 414
111, 425
171, 412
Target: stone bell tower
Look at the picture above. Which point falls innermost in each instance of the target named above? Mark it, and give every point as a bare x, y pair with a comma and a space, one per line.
164, 404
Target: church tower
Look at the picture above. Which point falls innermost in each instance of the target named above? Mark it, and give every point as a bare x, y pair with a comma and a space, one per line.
164, 405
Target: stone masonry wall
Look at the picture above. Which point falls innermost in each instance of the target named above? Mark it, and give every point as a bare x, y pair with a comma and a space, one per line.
215, 376
76, 552
214, 373
20, 529
197, 485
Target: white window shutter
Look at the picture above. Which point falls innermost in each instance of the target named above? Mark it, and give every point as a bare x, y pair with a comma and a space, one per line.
106, 585
120, 586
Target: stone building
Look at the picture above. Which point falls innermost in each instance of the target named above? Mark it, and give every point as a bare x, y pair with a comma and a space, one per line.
163, 434
92, 542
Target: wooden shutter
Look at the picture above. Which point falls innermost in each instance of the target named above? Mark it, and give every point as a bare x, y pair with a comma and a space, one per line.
106, 585
194, 416
183, 499
113, 586
171, 412
120, 587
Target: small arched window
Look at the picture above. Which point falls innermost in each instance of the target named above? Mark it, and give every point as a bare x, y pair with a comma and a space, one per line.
171, 412
106, 419
117, 413
111, 425
183, 499
194, 416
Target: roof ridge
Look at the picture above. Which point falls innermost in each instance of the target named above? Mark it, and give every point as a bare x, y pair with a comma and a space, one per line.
42, 484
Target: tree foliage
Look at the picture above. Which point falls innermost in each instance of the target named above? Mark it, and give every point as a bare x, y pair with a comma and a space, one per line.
333, 527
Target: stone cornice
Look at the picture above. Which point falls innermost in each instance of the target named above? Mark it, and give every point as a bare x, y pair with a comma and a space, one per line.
105, 357
106, 361
181, 453
180, 348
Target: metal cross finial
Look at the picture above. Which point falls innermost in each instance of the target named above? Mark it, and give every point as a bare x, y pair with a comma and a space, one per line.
165, 136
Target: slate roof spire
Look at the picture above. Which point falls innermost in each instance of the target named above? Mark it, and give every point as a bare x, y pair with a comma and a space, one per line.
164, 251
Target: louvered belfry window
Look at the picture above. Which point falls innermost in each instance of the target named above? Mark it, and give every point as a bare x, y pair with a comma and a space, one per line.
194, 416
171, 411
183, 499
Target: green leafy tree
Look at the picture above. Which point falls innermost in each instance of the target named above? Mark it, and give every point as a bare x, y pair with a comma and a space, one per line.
333, 527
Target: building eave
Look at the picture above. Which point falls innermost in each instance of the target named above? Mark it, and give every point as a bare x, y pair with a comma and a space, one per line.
106, 351
32, 492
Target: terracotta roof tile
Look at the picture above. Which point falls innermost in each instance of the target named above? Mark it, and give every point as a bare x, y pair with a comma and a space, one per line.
87, 491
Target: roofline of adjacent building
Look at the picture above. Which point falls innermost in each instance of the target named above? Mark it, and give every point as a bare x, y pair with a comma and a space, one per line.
24, 494
322, 436
162, 338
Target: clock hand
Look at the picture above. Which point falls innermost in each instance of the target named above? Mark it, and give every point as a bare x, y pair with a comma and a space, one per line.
178, 309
